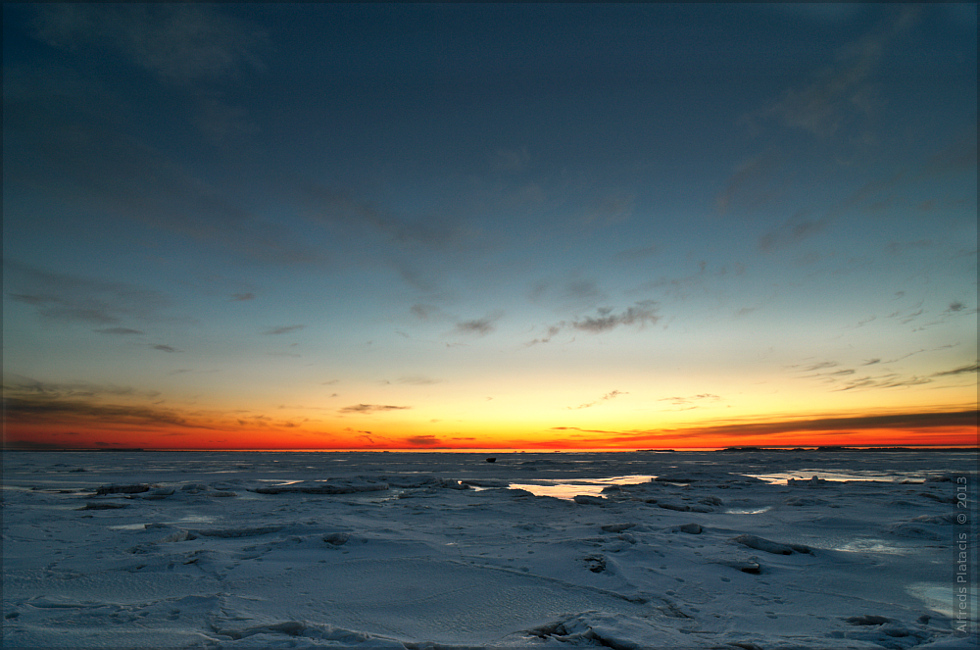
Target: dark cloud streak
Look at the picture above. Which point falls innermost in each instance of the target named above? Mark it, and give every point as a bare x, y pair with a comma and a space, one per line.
372, 408
17, 409
68, 298
285, 329
815, 426
478, 327
641, 313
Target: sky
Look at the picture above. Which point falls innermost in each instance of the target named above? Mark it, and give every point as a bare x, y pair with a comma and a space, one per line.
500, 226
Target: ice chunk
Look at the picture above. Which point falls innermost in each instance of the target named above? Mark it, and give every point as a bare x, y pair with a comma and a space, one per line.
135, 488
317, 487
769, 546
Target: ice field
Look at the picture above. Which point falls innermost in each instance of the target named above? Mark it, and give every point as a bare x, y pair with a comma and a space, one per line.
734, 549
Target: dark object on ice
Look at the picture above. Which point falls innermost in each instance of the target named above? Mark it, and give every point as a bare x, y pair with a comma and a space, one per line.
595, 563
691, 529
679, 507
492, 459
867, 620
102, 506
123, 489
336, 539
586, 499
814, 481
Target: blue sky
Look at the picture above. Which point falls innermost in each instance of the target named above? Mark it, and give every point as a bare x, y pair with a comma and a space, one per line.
472, 220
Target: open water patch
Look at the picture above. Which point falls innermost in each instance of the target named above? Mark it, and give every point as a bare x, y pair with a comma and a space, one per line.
569, 489
748, 511
807, 475
944, 599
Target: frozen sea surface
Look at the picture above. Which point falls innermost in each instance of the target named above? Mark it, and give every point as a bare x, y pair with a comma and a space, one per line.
438, 550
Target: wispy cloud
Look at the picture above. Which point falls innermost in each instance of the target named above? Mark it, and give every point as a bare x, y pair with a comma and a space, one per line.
609, 209
179, 43
841, 379
186, 45
165, 348
642, 313
284, 329
605, 319
639, 253
897, 248
66, 410
423, 441
120, 331
68, 298
76, 154
957, 156
571, 293
792, 231
821, 365
888, 380
836, 427
20, 386
605, 398
372, 408
751, 185
417, 380
342, 207
691, 401
843, 91
243, 296
426, 312
962, 370
552, 331
479, 326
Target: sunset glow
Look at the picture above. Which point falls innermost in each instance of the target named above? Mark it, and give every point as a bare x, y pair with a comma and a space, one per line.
459, 226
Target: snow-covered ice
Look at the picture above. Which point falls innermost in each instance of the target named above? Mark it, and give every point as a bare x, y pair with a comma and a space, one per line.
744, 549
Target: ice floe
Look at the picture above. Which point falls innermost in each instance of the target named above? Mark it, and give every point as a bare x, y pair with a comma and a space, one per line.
427, 551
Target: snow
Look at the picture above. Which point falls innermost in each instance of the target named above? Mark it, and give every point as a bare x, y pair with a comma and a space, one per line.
434, 550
